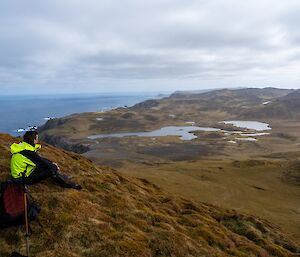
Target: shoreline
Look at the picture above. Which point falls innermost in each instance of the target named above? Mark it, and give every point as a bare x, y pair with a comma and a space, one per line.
60, 106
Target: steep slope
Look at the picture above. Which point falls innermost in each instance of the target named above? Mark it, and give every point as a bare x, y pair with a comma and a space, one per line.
285, 107
121, 216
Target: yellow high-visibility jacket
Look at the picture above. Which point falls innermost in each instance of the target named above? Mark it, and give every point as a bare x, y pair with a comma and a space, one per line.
19, 163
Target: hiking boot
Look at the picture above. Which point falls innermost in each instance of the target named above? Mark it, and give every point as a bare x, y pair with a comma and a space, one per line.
64, 181
72, 185
62, 176
77, 187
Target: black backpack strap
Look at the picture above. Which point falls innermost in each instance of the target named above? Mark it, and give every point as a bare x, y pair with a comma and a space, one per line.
15, 254
35, 158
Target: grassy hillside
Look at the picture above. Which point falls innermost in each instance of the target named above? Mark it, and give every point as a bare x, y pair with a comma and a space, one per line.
285, 107
122, 216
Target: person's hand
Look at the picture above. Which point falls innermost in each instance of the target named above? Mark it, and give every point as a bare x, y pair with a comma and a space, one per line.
56, 165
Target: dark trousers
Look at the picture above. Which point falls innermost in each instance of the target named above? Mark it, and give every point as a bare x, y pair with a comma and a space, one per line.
48, 171
39, 174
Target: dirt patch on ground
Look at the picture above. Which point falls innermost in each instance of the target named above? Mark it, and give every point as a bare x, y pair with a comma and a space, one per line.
292, 174
179, 152
248, 163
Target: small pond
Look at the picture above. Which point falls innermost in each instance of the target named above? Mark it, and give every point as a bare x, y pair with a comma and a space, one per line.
254, 125
184, 132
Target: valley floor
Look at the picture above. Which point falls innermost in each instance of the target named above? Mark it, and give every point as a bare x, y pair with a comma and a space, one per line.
259, 178
257, 187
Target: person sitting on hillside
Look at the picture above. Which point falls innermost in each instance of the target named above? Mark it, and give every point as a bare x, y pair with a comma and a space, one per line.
28, 166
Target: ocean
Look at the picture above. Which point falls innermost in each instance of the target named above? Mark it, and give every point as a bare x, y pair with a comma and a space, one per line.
17, 112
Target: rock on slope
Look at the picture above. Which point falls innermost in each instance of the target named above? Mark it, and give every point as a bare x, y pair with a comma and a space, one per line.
120, 216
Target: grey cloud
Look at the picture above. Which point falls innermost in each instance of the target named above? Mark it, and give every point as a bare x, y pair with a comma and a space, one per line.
56, 42
290, 21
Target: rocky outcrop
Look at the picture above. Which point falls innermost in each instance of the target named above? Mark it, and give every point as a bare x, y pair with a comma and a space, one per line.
62, 142
53, 123
146, 105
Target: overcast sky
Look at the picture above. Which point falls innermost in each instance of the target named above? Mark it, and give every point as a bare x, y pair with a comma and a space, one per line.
60, 46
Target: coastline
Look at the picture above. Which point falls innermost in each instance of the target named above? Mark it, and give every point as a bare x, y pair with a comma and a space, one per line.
20, 112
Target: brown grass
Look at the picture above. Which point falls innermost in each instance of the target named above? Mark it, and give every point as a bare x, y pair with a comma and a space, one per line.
115, 215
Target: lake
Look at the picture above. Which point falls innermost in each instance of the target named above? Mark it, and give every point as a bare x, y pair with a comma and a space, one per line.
254, 125
184, 132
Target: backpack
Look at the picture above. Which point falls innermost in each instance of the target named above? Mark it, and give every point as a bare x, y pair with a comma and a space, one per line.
12, 209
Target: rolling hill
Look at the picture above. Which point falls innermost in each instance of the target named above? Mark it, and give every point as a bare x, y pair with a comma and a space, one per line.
285, 107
